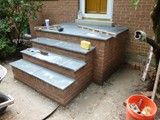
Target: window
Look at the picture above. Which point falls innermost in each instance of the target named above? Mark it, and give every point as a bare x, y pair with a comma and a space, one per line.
101, 9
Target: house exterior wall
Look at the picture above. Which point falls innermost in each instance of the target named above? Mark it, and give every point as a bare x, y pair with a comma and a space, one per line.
59, 11
126, 16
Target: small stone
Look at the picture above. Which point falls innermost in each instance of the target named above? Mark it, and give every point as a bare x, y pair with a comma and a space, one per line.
136, 66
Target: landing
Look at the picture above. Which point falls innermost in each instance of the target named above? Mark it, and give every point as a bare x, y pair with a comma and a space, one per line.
73, 30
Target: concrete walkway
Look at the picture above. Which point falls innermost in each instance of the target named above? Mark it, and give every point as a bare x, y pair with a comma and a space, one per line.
95, 103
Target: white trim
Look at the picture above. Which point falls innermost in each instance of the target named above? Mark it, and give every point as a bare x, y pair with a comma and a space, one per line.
108, 14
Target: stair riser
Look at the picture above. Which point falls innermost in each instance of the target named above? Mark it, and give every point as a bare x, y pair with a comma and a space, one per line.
50, 66
77, 84
82, 72
73, 90
39, 85
77, 91
85, 57
61, 96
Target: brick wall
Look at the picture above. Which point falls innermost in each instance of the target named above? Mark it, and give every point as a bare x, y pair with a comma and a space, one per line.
125, 16
60, 11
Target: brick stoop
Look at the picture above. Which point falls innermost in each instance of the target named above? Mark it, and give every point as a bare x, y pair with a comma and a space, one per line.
109, 54
58, 76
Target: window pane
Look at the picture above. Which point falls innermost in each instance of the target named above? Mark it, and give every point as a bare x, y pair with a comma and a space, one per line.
91, 6
96, 6
103, 6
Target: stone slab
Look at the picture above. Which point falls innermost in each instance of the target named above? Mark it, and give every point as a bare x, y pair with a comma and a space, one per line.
73, 30
94, 22
26, 66
53, 78
62, 61
62, 45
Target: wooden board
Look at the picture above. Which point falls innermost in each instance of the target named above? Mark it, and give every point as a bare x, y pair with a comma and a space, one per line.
98, 31
156, 82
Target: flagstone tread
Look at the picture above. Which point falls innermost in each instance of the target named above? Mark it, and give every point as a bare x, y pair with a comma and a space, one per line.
62, 45
60, 60
53, 78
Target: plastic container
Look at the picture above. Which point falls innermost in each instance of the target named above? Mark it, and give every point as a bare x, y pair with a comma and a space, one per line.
131, 115
47, 22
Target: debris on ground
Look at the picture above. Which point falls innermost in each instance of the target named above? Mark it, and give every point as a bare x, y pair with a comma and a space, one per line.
136, 66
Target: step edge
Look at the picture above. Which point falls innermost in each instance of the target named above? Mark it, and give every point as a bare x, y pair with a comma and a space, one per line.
32, 74
90, 50
74, 70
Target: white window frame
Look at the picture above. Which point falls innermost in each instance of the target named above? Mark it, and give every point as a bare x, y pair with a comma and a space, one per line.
108, 14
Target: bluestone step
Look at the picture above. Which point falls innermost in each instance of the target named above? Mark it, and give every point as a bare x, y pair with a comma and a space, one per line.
53, 78
63, 61
62, 45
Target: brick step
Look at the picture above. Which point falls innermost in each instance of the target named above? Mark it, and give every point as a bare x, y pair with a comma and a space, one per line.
65, 48
53, 78
58, 87
62, 64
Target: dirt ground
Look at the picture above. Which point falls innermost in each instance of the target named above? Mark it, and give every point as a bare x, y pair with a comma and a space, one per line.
95, 103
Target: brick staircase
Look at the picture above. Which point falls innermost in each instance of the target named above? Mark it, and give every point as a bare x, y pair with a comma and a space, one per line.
109, 54
60, 74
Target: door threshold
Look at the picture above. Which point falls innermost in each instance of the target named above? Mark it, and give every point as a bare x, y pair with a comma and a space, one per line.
94, 22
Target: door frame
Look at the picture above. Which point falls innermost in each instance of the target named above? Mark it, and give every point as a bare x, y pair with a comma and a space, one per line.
108, 14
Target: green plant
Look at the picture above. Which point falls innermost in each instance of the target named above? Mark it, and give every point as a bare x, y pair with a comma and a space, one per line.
134, 3
14, 19
6, 47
